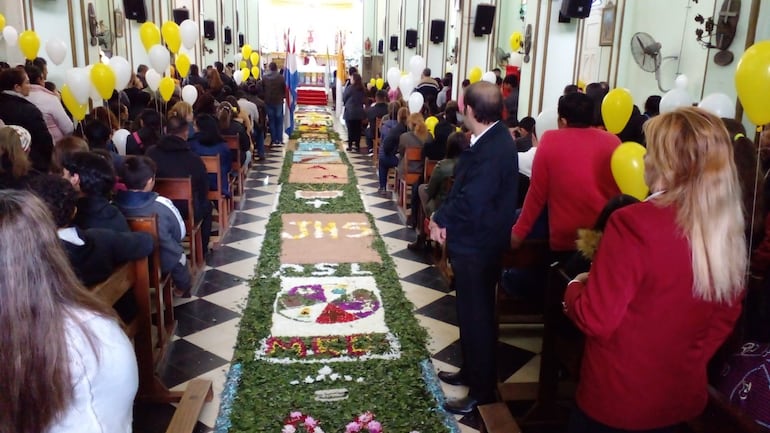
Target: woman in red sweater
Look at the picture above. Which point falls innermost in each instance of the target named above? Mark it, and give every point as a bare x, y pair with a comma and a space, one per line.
665, 286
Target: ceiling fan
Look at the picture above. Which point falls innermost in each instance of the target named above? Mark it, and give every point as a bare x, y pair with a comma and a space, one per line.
646, 53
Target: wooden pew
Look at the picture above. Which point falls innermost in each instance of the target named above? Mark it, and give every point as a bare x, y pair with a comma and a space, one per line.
239, 171
406, 180
377, 141
223, 203
533, 255
181, 189
135, 277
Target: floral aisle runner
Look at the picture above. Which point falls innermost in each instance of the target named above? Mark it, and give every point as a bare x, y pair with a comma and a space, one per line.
328, 342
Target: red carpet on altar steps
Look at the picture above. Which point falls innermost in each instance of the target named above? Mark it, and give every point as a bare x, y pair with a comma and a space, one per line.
311, 96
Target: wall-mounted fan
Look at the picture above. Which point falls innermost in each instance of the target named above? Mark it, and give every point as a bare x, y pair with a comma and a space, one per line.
501, 56
646, 52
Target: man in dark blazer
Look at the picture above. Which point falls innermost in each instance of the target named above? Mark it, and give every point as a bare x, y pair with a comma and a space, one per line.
474, 220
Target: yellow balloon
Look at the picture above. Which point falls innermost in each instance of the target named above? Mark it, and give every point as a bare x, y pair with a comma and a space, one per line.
2, 21
182, 64
627, 164
372, 81
752, 81
172, 36
515, 40
255, 72
617, 106
581, 85
474, 74
77, 109
149, 34
166, 88
103, 78
246, 51
243, 64
431, 123
379, 83
29, 44
254, 57
245, 73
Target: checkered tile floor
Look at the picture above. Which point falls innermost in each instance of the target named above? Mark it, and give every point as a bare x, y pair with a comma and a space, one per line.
208, 322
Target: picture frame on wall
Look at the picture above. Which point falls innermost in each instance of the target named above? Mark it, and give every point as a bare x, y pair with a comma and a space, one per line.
119, 22
607, 33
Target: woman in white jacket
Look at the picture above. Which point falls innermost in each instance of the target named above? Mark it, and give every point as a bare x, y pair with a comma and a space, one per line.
48, 102
68, 367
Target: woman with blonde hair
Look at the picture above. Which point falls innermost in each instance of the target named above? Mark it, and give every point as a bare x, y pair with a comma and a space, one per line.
416, 136
73, 357
14, 164
666, 284
184, 110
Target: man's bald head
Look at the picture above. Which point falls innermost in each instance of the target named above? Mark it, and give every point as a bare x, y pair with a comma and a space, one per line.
486, 100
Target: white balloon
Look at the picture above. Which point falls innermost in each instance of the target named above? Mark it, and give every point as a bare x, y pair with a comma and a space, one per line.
160, 59
153, 79
547, 120
394, 77
10, 35
416, 102
189, 94
718, 104
190, 33
122, 70
489, 77
56, 50
238, 77
119, 138
105, 60
681, 82
406, 85
79, 82
95, 96
416, 65
674, 99
516, 59
238, 58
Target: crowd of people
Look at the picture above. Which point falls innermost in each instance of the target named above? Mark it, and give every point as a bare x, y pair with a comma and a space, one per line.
687, 244
66, 191
685, 248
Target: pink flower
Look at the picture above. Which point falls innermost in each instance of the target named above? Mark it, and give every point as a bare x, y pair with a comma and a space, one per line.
288, 428
310, 422
374, 427
365, 417
295, 415
352, 427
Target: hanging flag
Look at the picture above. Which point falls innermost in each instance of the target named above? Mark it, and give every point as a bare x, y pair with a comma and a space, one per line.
291, 75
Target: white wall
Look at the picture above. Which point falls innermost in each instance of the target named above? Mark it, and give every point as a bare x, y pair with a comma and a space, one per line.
473, 51
435, 54
675, 30
410, 19
552, 63
393, 28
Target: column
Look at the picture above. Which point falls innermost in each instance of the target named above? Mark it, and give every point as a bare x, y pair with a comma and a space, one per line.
472, 51
435, 54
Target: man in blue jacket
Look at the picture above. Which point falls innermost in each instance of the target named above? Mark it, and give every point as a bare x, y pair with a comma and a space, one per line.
473, 220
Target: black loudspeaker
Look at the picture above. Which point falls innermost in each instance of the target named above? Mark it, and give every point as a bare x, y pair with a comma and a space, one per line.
576, 8
394, 43
241, 40
209, 29
437, 28
135, 10
181, 15
228, 36
380, 46
411, 38
485, 17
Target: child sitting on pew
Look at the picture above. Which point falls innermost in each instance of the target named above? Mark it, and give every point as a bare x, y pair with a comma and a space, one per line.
140, 201
94, 253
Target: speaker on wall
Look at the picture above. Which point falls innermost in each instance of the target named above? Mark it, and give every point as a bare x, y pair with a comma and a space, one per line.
241, 40
437, 28
485, 17
394, 43
576, 8
209, 29
411, 38
380, 46
135, 10
228, 36
181, 15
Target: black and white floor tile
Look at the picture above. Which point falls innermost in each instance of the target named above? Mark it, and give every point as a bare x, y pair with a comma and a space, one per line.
208, 322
